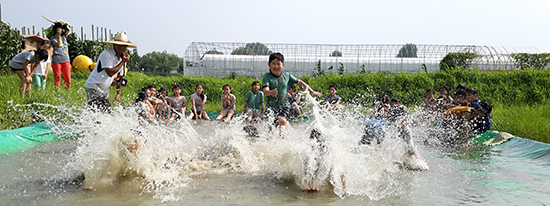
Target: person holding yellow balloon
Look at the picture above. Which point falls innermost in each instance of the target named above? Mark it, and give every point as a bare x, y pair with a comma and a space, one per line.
109, 70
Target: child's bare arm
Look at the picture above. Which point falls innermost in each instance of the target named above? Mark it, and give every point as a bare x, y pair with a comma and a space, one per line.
193, 106
231, 102
262, 107
268, 92
304, 85
33, 68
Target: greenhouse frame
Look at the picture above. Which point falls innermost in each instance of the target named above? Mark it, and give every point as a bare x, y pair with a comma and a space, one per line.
250, 59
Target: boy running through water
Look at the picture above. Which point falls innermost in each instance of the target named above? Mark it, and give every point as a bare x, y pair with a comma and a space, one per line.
275, 86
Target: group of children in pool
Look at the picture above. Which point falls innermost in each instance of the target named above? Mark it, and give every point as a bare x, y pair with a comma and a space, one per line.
162, 107
284, 104
464, 116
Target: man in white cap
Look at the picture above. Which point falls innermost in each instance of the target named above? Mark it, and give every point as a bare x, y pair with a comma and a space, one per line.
110, 67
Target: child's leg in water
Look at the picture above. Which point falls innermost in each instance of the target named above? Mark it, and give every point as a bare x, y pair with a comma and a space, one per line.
250, 114
229, 115
205, 115
222, 113
282, 122
297, 109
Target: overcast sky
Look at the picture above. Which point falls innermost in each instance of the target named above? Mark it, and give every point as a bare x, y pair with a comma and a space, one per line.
172, 25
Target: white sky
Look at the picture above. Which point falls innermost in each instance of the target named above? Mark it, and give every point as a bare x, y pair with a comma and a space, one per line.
171, 25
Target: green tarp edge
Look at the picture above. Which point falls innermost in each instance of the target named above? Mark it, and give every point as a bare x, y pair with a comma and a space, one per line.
26, 137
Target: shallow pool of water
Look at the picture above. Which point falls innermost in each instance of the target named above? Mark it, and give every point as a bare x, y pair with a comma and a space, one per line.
218, 163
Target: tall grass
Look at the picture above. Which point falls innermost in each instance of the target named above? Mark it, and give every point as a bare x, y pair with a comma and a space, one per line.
520, 98
526, 121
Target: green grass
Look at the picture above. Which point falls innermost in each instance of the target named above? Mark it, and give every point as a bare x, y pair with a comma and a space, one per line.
530, 122
528, 118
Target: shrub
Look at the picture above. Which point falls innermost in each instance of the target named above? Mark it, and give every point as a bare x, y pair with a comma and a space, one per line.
10, 46
526, 60
457, 60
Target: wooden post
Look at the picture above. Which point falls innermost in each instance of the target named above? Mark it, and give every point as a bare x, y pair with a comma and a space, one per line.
29, 31
92, 32
97, 33
43, 33
33, 29
23, 30
110, 35
81, 33
106, 35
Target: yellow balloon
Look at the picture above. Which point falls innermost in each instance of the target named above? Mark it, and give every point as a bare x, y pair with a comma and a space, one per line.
81, 63
92, 66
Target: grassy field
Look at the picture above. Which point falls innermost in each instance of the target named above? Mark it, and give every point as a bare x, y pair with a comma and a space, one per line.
525, 119
531, 122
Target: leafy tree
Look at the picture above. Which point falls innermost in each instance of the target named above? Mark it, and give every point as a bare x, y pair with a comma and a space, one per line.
526, 60
9, 47
408, 50
214, 51
457, 59
341, 68
336, 53
318, 71
362, 69
258, 48
242, 51
160, 62
134, 63
88, 48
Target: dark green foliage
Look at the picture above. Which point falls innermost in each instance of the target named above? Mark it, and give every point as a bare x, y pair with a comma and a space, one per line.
318, 70
341, 68
10, 45
88, 48
242, 51
213, 52
335, 53
521, 87
457, 60
135, 59
526, 60
408, 51
160, 62
258, 48
362, 69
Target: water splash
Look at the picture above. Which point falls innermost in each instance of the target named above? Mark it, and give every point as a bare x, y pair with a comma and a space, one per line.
115, 150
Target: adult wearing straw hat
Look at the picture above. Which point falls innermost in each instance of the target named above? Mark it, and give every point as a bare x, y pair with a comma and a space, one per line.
109, 70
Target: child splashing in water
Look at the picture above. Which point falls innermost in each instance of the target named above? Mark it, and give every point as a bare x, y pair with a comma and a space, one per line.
163, 111
333, 100
254, 103
275, 86
198, 100
294, 99
178, 103
228, 104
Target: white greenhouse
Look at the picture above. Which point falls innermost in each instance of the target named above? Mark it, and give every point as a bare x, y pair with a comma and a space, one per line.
250, 59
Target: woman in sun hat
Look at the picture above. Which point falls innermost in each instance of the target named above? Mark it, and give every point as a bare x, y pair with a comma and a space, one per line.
110, 67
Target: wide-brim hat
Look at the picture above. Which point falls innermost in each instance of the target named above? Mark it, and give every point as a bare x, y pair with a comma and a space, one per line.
121, 39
